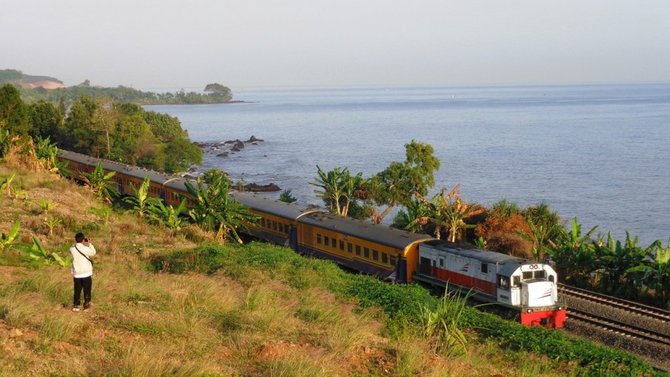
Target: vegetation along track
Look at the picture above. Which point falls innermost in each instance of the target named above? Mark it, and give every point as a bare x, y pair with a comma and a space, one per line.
635, 327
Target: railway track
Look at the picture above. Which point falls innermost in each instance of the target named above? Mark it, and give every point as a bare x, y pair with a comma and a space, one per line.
637, 328
617, 303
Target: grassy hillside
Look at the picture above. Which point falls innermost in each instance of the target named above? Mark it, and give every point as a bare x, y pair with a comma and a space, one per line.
167, 305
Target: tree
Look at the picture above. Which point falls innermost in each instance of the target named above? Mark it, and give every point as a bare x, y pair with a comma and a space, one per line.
656, 273
407, 218
47, 120
337, 189
504, 221
79, 134
287, 197
13, 111
218, 90
401, 181
449, 212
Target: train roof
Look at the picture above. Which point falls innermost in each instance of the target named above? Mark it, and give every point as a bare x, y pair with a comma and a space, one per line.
133, 171
275, 207
382, 234
479, 254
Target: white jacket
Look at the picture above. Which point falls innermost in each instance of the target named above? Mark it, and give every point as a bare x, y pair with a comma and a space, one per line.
81, 267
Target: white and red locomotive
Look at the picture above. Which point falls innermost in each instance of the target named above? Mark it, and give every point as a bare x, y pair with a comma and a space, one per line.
527, 287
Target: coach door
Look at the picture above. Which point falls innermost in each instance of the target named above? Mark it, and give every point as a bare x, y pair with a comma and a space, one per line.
425, 266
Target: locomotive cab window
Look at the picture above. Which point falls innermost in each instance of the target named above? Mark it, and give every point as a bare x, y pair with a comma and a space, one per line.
503, 282
516, 281
527, 275
539, 274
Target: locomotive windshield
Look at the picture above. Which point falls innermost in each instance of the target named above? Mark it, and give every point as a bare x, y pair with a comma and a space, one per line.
534, 275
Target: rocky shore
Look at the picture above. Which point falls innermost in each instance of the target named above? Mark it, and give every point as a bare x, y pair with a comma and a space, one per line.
223, 149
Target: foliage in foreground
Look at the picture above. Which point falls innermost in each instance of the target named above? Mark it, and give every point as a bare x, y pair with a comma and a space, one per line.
403, 305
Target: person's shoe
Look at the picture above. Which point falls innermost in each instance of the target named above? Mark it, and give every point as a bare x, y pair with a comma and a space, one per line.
87, 306
75, 308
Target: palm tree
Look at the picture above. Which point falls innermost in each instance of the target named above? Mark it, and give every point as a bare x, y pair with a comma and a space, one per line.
101, 183
215, 211
449, 212
338, 189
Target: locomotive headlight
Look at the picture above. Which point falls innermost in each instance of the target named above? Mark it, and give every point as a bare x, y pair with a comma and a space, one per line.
528, 311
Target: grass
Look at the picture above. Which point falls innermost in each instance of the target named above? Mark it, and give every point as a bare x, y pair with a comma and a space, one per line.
167, 305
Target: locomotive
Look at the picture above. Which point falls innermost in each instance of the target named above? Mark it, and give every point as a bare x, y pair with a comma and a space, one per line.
388, 253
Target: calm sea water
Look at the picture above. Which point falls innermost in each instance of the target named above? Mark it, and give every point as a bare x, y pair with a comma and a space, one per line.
598, 153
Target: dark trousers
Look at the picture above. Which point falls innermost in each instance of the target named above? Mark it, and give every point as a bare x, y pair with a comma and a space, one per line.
82, 283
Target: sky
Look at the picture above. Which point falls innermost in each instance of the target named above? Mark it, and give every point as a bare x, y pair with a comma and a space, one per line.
164, 45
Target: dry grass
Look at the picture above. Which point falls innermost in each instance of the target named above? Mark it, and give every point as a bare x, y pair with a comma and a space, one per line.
234, 322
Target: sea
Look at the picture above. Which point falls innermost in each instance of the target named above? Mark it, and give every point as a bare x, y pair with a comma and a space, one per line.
600, 153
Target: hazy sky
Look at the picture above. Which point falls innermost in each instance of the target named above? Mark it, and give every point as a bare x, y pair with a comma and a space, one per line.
166, 44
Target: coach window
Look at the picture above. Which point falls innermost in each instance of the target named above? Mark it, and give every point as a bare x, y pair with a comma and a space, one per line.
485, 268
274, 225
326, 240
350, 247
333, 243
341, 245
392, 260
318, 239
375, 254
366, 252
385, 258
358, 250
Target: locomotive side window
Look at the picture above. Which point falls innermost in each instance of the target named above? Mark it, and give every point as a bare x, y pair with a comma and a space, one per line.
503, 282
485, 268
551, 278
441, 262
516, 281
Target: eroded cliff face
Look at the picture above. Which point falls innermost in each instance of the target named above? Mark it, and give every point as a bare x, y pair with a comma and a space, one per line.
45, 85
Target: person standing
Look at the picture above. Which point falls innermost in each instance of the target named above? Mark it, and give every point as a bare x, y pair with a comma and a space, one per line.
82, 270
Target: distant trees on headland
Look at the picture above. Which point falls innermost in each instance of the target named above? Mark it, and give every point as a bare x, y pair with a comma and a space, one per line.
100, 127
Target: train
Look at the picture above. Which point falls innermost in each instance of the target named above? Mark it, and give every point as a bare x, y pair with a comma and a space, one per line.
526, 287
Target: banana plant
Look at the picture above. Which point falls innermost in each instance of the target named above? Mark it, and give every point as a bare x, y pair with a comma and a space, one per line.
7, 240
168, 215
37, 253
6, 184
101, 183
141, 201
656, 274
